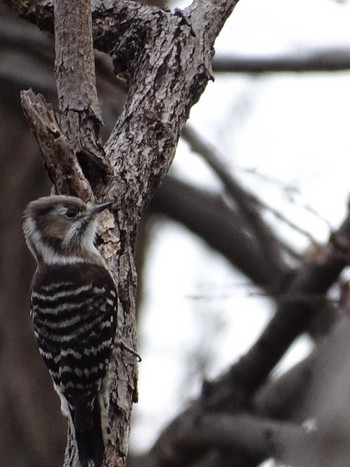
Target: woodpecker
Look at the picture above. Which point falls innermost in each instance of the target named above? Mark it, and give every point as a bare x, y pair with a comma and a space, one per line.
73, 309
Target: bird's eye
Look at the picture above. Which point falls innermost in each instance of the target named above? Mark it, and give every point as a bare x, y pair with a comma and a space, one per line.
71, 213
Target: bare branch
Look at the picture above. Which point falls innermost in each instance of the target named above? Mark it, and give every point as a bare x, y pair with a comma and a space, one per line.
319, 391
284, 398
219, 225
208, 18
75, 64
246, 202
193, 435
303, 299
80, 113
58, 156
311, 61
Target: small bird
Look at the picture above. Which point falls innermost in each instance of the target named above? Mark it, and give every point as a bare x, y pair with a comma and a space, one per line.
73, 309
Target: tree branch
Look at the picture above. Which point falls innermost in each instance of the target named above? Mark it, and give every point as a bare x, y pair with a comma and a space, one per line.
219, 225
59, 159
193, 435
247, 204
79, 108
311, 61
284, 398
75, 63
208, 18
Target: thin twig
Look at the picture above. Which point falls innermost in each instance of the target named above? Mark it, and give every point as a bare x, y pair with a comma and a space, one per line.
290, 191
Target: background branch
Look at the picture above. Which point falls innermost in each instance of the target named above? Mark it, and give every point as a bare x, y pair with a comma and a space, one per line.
219, 225
246, 202
310, 61
194, 435
303, 298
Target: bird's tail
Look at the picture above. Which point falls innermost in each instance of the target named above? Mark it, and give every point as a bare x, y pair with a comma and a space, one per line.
90, 447
89, 437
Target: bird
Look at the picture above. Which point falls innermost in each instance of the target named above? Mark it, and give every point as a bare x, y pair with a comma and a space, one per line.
73, 307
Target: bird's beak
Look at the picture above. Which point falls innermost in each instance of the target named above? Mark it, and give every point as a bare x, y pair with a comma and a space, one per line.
96, 208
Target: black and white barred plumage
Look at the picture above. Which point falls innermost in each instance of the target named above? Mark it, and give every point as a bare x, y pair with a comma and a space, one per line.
73, 309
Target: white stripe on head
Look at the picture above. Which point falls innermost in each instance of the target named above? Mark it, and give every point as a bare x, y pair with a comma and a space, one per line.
41, 250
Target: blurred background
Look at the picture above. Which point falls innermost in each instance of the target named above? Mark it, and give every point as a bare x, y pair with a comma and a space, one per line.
259, 183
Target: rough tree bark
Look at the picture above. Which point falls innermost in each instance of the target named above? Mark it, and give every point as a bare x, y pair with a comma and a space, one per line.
166, 58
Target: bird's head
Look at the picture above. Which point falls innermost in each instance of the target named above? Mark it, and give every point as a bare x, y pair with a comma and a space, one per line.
62, 229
